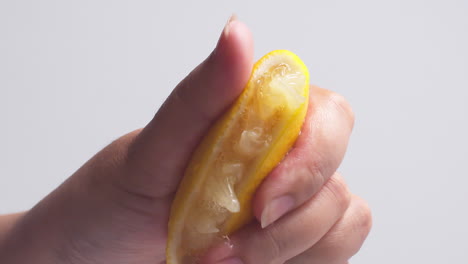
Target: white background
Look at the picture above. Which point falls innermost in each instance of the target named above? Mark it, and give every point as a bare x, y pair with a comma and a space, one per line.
74, 75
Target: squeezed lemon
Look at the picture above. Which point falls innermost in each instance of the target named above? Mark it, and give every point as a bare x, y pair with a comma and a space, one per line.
243, 146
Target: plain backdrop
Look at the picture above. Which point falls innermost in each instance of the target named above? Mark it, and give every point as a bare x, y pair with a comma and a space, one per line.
75, 75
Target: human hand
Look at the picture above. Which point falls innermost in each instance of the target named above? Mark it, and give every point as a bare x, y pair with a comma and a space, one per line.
115, 208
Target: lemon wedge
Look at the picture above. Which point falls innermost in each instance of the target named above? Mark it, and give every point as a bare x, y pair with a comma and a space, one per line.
240, 149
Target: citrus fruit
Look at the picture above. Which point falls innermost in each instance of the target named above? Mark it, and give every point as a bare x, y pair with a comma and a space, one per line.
239, 150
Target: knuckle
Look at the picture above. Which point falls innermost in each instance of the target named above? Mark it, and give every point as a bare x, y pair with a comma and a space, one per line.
358, 227
319, 167
315, 176
363, 222
275, 243
338, 189
343, 106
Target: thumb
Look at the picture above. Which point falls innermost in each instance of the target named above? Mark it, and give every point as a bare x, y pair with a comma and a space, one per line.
158, 156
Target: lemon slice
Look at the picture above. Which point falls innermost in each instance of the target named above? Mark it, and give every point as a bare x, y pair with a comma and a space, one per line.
243, 146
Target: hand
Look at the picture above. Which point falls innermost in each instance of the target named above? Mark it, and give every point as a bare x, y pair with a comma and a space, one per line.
115, 208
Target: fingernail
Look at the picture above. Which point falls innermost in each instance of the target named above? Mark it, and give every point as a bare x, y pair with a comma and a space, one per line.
232, 18
275, 209
231, 260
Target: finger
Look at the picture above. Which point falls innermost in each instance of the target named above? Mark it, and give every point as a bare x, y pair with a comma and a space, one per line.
343, 240
315, 157
290, 235
188, 112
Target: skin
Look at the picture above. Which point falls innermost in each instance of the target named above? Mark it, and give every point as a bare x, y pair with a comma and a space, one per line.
114, 209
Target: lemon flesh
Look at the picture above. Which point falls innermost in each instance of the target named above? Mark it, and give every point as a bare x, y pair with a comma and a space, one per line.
244, 145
